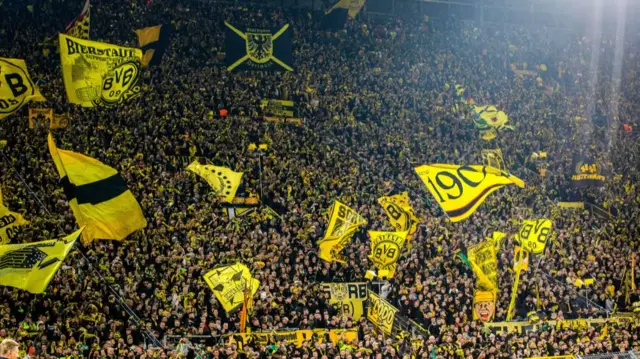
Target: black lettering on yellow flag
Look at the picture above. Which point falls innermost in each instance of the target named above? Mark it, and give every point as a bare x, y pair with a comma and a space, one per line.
385, 251
400, 213
97, 195
31, 266
258, 49
349, 297
98, 74
461, 189
154, 41
534, 234
16, 86
381, 313
343, 222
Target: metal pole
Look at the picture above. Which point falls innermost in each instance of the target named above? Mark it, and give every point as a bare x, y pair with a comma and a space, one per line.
260, 163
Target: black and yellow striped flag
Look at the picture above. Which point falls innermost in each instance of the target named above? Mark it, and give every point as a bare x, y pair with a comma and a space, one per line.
97, 195
153, 42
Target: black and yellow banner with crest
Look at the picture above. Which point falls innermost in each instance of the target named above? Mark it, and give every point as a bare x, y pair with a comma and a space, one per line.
97, 74
16, 86
534, 235
349, 297
586, 172
385, 251
258, 49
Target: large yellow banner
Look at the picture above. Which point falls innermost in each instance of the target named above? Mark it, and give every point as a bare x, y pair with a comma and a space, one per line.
381, 313
350, 297
461, 189
343, 222
97, 74
16, 86
533, 235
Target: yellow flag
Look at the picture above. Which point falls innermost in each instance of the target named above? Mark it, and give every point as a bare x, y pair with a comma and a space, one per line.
533, 235
97, 195
496, 239
343, 222
31, 266
16, 86
484, 305
381, 313
349, 297
400, 212
489, 134
484, 264
229, 283
8, 221
461, 189
493, 158
385, 250
488, 116
97, 74
223, 181
353, 6
520, 259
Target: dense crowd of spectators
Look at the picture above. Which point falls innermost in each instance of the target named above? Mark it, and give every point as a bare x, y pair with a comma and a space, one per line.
375, 104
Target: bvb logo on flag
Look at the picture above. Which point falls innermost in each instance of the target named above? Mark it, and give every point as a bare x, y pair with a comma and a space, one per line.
121, 83
339, 292
259, 47
386, 250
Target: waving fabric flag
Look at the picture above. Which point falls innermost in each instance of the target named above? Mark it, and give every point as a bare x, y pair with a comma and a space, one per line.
343, 222
31, 266
229, 284
97, 195
461, 189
